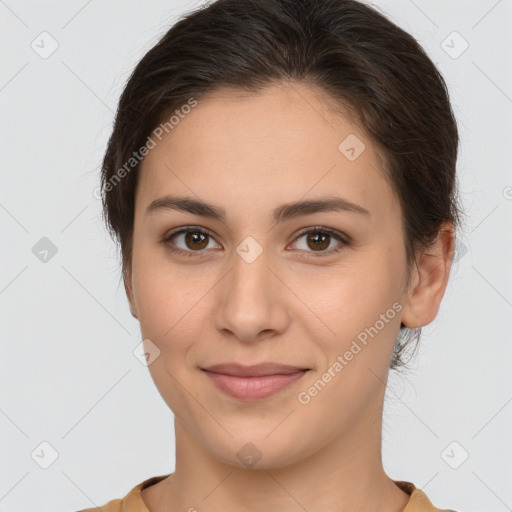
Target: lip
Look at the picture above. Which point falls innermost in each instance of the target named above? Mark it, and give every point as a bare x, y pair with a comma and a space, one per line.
254, 382
255, 370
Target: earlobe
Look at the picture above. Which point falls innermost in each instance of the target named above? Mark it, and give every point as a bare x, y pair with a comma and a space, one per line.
429, 281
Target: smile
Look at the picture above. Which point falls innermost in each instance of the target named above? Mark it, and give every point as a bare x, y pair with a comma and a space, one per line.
254, 387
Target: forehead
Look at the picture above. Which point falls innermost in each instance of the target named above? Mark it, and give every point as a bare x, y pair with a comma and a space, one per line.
278, 145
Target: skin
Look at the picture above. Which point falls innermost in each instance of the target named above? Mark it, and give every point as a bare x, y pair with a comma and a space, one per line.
250, 154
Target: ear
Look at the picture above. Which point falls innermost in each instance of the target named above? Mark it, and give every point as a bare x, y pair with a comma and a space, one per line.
429, 280
128, 286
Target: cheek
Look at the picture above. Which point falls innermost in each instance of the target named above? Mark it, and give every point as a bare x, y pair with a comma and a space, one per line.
169, 302
359, 301
345, 296
156, 296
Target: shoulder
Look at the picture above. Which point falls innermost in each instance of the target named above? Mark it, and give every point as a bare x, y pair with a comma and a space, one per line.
132, 502
419, 501
111, 506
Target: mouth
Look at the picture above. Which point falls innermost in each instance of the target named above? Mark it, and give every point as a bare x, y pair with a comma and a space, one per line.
254, 382
256, 370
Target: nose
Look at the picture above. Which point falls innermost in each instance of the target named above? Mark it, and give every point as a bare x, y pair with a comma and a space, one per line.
251, 301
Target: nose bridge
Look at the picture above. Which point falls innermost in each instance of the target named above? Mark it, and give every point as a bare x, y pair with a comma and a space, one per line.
250, 301
250, 278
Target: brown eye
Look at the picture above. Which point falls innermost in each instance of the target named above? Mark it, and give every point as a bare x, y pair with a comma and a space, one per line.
319, 239
190, 241
196, 240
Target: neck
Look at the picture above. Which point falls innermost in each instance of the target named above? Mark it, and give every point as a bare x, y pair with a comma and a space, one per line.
346, 475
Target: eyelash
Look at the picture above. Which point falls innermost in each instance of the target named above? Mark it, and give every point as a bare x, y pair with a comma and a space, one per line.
345, 241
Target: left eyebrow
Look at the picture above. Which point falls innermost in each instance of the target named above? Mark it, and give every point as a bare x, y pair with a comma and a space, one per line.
282, 213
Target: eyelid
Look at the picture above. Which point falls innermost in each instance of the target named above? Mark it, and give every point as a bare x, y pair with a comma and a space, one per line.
344, 239
185, 229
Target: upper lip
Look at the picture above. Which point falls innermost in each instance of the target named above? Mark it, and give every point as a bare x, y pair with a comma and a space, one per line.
256, 370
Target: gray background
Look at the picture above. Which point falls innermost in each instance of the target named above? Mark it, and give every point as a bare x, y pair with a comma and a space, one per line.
69, 375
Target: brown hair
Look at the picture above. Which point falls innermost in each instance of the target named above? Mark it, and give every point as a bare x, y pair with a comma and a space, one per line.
344, 47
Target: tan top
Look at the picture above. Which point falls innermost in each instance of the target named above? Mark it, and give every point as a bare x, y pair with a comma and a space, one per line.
132, 502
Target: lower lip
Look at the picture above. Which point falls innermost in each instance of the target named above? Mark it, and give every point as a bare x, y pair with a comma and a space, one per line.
253, 388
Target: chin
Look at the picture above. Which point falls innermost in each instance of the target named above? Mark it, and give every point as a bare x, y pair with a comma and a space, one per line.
260, 452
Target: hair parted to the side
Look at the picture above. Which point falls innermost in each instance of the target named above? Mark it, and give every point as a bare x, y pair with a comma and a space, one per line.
348, 50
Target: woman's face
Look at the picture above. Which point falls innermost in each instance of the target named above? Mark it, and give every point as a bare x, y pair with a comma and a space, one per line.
257, 287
